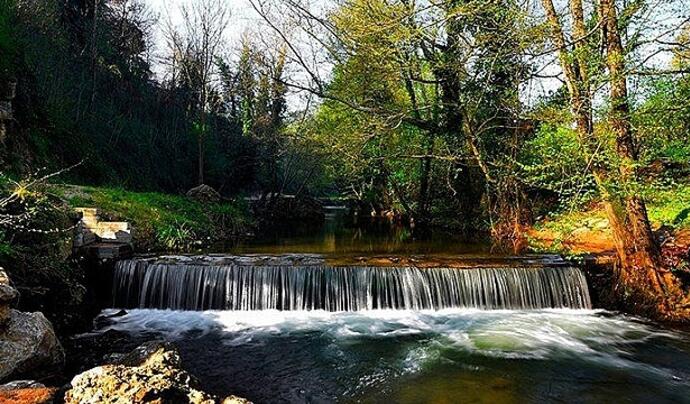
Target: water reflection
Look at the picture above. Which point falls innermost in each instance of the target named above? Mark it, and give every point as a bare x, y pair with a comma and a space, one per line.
340, 234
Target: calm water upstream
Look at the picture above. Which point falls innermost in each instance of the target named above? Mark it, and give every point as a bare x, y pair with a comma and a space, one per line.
340, 236
456, 353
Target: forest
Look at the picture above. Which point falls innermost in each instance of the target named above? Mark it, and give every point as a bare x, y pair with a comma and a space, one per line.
532, 126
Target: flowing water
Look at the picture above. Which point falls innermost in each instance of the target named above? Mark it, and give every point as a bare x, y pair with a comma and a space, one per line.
438, 356
183, 286
306, 331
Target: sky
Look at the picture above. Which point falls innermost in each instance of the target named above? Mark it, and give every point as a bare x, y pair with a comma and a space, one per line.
244, 20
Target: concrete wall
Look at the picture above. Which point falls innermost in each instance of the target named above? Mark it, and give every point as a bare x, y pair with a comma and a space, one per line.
90, 229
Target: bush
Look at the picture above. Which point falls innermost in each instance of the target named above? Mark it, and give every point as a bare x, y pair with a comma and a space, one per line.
553, 160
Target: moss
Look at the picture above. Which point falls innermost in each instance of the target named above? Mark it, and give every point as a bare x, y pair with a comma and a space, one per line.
163, 221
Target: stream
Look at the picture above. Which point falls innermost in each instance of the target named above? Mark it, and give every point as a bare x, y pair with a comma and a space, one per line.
311, 332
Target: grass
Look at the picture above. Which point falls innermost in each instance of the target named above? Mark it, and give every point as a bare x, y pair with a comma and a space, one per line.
667, 206
162, 221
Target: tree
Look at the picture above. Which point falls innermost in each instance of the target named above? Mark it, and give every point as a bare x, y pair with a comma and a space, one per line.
436, 70
641, 270
194, 51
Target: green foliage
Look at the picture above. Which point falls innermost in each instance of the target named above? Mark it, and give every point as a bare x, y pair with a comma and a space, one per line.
6, 249
663, 121
553, 160
669, 204
9, 45
423, 113
177, 237
128, 129
36, 230
163, 221
591, 217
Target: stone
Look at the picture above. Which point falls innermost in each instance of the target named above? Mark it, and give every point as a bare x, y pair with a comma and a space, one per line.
204, 193
120, 232
28, 346
4, 278
83, 235
235, 400
21, 384
150, 373
91, 230
8, 295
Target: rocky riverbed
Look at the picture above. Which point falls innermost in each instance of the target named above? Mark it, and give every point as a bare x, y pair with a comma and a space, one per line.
33, 366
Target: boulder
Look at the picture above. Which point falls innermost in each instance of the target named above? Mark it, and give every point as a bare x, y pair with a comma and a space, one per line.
150, 373
204, 193
7, 295
28, 346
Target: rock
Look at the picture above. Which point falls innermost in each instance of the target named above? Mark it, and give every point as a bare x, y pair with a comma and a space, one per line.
235, 400
4, 279
204, 193
28, 346
150, 373
7, 295
21, 384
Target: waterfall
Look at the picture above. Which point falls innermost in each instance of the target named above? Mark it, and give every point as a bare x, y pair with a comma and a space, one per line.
142, 283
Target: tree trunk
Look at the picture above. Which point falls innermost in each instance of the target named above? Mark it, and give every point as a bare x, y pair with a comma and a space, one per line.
200, 143
641, 268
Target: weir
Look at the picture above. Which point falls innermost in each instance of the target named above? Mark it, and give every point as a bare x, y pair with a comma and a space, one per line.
141, 283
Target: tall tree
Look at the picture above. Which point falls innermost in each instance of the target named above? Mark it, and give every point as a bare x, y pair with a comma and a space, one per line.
431, 69
194, 51
641, 270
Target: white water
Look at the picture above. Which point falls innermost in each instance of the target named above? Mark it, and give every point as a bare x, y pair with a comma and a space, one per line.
426, 335
145, 284
525, 334
405, 356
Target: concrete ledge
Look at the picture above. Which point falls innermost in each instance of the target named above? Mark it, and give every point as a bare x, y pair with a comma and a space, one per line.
114, 231
91, 230
109, 251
